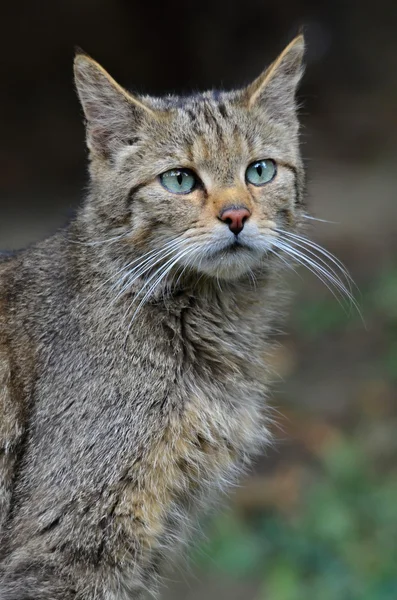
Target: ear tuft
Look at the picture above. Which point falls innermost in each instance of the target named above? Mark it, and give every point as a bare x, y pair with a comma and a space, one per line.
275, 88
78, 50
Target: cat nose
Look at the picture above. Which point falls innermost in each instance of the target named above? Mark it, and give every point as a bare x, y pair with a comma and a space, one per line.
235, 217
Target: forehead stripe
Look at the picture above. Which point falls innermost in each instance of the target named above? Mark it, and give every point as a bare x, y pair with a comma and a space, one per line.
211, 119
222, 110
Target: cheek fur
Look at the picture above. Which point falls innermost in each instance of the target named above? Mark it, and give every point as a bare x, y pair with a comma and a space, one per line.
179, 212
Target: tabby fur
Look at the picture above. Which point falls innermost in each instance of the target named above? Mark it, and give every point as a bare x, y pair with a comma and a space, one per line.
127, 402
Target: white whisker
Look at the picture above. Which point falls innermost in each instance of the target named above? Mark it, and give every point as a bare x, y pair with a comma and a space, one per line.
145, 267
323, 274
338, 263
160, 274
320, 220
151, 254
331, 278
287, 264
327, 271
315, 247
98, 242
165, 269
252, 278
124, 269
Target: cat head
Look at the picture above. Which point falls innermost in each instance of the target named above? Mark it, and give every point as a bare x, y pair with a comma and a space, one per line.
199, 182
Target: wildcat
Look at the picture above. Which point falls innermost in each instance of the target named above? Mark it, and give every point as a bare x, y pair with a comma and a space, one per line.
133, 376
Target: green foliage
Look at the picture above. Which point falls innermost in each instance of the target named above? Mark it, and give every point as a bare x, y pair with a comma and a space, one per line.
383, 293
315, 318
383, 300
342, 543
378, 304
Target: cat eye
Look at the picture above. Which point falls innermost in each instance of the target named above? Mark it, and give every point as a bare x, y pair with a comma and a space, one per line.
179, 181
261, 171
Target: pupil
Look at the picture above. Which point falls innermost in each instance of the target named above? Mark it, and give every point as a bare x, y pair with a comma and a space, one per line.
179, 178
259, 170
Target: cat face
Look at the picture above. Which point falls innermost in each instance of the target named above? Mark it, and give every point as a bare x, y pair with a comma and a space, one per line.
200, 182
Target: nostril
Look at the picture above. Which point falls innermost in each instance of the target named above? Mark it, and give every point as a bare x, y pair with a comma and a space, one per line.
235, 218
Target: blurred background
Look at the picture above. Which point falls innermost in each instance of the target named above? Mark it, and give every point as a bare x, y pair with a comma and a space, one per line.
317, 517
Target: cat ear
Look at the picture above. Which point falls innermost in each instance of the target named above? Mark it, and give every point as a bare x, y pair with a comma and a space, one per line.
275, 88
112, 113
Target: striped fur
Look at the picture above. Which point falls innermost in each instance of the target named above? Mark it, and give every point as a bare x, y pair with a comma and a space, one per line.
134, 344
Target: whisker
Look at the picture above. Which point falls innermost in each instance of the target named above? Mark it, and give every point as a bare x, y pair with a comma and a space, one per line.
181, 275
160, 274
304, 242
219, 284
252, 278
349, 280
166, 268
320, 272
127, 270
335, 280
320, 220
124, 268
324, 281
152, 253
144, 267
322, 250
99, 242
150, 278
287, 264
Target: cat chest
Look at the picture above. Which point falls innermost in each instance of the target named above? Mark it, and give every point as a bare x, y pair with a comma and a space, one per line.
197, 451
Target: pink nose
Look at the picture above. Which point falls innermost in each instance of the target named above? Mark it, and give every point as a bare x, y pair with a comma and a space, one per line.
235, 217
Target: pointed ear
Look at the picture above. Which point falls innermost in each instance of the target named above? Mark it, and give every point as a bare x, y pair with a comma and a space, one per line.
275, 89
112, 114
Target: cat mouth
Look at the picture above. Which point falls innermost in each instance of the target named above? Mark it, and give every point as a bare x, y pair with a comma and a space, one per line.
234, 247
230, 258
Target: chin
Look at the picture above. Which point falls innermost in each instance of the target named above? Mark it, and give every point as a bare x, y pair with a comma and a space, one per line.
231, 263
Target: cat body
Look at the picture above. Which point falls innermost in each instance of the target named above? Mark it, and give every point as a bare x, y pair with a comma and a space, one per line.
133, 370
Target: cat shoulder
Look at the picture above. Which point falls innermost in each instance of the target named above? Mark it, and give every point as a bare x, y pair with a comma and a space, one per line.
9, 410
11, 427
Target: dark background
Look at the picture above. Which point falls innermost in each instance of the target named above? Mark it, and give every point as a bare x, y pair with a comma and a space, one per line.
349, 94
317, 518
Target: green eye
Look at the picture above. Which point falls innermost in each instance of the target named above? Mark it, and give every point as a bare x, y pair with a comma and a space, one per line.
179, 181
261, 172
